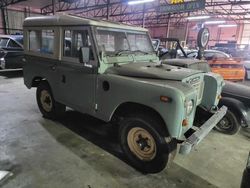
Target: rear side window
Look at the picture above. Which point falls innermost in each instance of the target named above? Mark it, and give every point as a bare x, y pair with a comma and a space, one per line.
3, 42
13, 44
41, 41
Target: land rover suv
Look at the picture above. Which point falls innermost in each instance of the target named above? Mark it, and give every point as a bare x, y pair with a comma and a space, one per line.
111, 71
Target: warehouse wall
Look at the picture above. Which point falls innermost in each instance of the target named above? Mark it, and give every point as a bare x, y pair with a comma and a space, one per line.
245, 39
14, 19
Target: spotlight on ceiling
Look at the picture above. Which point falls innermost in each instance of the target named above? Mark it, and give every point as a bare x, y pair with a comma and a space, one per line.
214, 22
139, 2
229, 25
197, 17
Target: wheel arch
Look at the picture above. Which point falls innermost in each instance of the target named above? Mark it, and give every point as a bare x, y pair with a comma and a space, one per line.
36, 80
236, 107
128, 108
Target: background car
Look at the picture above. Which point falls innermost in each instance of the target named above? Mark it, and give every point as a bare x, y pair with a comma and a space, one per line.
11, 51
246, 63
230, 68
235, 96
245, 183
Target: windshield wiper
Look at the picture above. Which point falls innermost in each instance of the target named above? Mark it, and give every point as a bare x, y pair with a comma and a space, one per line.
140, 51
121, 52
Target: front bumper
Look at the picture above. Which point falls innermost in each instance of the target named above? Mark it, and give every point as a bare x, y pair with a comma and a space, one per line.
202, 131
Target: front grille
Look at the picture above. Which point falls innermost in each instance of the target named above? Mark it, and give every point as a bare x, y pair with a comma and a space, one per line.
199, 87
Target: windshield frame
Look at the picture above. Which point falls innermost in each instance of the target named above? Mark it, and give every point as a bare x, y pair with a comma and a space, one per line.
126, 32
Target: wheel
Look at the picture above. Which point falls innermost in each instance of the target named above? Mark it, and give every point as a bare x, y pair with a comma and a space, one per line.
229, 124
141, 137
46, 102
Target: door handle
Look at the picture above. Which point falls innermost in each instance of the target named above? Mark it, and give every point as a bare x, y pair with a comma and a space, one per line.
63, 79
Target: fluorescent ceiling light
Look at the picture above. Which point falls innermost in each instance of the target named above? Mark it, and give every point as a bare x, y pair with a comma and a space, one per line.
197, 17
215, 22
139, 2
229, 25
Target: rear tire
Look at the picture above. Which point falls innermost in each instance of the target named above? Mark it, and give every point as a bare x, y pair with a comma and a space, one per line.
141, 138
46, 102
229, 124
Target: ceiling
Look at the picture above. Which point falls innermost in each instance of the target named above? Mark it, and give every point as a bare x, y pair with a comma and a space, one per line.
148, 13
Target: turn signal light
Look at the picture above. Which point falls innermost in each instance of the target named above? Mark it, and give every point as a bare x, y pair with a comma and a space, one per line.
185, 123
165, 99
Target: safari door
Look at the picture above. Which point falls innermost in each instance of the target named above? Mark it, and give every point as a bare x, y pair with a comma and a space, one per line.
77, 81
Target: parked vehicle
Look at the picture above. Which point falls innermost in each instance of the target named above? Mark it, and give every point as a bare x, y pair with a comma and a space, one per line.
245, 183
235, 96
246, 63
230, 68
111, 71
11, 51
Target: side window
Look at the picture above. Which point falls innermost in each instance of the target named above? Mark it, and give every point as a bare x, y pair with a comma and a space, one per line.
74, 40
41, 41
34, 41
13, 44
47, 41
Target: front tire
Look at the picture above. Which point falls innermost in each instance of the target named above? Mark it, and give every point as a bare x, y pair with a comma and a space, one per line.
229, 124
46, 102
141, 140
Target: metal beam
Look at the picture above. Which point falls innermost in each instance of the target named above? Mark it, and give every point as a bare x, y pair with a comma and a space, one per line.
5, 3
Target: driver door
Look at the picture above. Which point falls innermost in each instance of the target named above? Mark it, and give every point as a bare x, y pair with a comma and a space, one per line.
77, 81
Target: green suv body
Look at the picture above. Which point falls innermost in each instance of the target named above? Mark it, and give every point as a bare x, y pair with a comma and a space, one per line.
110, 71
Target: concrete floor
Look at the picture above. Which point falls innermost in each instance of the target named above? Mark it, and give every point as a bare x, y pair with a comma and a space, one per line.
80, 151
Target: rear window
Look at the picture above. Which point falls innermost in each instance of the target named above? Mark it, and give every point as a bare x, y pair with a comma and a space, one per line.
3, 42
41, 41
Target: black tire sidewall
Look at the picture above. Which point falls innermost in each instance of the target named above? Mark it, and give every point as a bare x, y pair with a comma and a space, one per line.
234, 124
160, 160
41, 87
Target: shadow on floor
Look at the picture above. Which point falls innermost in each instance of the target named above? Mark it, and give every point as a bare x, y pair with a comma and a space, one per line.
11, 73
96, 131
104, 135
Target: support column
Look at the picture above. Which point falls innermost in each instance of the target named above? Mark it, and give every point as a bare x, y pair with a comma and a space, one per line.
168, 26
3, 21
53, 7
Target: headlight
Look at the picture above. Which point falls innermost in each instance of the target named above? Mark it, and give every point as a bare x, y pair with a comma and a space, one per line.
2, 63
189, 107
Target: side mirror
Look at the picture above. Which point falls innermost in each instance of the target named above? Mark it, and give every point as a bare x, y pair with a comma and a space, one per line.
84, 54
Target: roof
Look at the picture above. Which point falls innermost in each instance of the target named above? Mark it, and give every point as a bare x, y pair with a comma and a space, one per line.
70, 20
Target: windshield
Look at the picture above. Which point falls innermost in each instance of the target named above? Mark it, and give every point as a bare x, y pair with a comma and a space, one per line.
118, 42
3, 42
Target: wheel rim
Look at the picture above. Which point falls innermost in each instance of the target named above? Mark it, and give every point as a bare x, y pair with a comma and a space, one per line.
141, 143
225, 123
46, 100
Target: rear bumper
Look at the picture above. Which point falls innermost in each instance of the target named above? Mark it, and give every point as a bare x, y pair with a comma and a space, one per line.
202, 131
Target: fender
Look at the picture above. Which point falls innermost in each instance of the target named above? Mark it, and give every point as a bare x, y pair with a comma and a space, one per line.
237, 107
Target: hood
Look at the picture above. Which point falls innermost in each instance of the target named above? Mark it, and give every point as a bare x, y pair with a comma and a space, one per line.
152, 71
194, 64
184, 61
234, 89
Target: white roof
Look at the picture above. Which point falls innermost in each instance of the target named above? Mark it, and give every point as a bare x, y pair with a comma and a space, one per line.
70, 20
